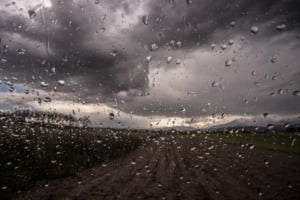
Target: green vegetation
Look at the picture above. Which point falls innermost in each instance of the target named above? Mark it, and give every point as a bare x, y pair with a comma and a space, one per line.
31, 152
286, 142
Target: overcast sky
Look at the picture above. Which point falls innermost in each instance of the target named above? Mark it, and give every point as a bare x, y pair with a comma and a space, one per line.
159, 62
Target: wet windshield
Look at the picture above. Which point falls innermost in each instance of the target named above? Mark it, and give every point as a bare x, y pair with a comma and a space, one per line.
149, 99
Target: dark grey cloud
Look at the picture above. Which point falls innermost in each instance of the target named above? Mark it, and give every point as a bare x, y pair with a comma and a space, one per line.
100, 51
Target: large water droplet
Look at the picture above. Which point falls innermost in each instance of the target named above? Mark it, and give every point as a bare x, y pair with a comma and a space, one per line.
280, 27
223, 46
145, 20
232, 24
154, 46
189, 2
192, 94
44, 84
31, 14
193, 149
11, 89
251, 147
296, 93
228, 63
215, 84
48, 99
148, 58
212, 46
273, 60
114, 53
111, 116
21, 51
61, 82
169, 59
254, 29
211, 147
179, 44
230, 42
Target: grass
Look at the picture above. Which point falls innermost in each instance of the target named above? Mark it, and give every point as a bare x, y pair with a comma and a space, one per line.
285, 142
32, 152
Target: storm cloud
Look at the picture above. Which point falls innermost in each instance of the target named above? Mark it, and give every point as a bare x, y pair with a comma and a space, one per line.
207, 61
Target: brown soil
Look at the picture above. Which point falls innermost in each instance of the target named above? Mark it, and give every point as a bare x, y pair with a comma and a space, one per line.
181, 168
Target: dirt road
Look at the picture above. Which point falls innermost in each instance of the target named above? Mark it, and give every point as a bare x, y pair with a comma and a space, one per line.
181, 168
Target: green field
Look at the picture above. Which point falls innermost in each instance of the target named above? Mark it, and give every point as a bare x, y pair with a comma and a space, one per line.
285, 142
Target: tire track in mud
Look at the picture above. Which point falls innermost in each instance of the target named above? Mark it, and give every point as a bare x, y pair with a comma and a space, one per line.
175, 167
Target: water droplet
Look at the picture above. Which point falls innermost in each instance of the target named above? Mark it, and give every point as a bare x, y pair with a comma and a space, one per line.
179, 44
266, 161
3, 60
211, 147
172, 42
145, 20
114, 53
280, 27
251, 147
254, 29
44, 84
215, 84
11, 89
31, 14
53, 70
212, 46
296, 93
111, 116
228, 63
169, 59
99, 141
148, 58
270, 126
154, 46
193, 149
21, 51
232, 24
178, 61
230, 42
61, 82
223, 46
273, 60
47, 99
192, 94
133, 163
189, 2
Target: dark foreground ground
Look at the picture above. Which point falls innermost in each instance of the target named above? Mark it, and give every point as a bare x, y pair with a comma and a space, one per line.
182, 168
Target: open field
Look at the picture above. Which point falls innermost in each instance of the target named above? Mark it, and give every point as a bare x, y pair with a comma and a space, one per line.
85, 163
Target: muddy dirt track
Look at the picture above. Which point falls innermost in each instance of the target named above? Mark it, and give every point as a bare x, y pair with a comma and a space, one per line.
181, 168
